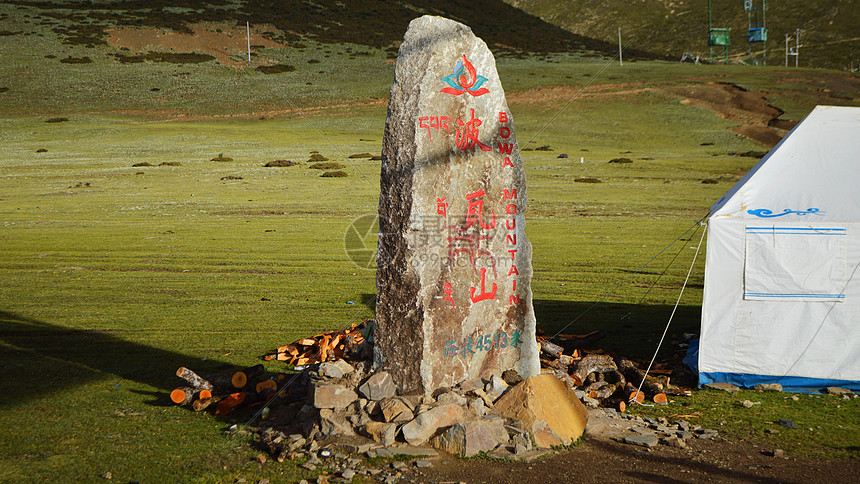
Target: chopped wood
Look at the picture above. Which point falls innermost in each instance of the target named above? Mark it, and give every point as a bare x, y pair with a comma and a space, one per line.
182, 395
661, 399
592, 364
204, 403
635, 375
551, 349
266, 385
241, 378
193, 379
638, 397
322, 347
232, 401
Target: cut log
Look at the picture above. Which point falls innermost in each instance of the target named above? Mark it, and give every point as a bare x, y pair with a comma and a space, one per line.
182, 395
306, 342
266, 384
228, 404
616, 403
601, 392
241, 378
638, 397
204, 403
193, 379
550, 349
634, 375
592, 364
660, 399
221, 384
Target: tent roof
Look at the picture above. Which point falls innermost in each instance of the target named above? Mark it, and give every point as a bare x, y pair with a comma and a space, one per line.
811, 176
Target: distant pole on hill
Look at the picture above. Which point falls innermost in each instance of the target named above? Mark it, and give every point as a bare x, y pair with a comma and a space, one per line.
620, 60
248, 30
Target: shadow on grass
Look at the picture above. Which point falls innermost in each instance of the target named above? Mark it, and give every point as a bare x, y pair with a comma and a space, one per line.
39, 358
632, 330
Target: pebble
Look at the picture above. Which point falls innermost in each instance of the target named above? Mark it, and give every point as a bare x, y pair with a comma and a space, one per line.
422, 463
787, 423
348, 474
309, 466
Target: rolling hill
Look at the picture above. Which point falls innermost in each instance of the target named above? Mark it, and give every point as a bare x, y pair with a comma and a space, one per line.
673, 27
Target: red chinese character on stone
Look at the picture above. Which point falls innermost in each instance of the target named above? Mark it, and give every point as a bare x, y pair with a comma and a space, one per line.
448, 289
467, 134
484, 294
442, 207
476, 206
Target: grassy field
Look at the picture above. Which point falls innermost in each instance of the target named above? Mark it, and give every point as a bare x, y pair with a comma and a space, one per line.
113, 275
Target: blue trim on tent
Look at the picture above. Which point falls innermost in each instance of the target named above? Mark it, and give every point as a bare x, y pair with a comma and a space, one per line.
808, 295
795, 384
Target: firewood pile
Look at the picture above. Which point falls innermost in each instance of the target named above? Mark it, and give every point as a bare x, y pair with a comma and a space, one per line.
336, 396
601, 380
322, 347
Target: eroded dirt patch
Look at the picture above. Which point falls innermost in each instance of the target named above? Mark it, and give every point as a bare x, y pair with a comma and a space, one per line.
221, 41
758, 117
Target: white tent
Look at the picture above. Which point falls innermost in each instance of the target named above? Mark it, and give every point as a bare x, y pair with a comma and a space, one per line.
782, 285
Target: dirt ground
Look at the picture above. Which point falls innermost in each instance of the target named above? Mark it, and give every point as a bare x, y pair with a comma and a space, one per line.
758, 117
601, 459
219, 40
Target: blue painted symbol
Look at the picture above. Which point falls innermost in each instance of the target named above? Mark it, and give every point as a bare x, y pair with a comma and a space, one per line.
765, 213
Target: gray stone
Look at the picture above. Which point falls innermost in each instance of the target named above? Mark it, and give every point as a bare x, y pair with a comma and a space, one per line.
785, 422
381, 432
471, 385
426, 424
768, 387
469, 438
394, 410
332, 396
309, 466
451, 398
838, 391
412, 401
335, 369
726, 387
521, 441
675, 442
642, 440
410, 451
707, 434
454, 270
684, 434
378, 386
495, 387
347, 474
332, 423
423, 463
477, 405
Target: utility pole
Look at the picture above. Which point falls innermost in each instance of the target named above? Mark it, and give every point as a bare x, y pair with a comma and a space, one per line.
797, 49
248, 29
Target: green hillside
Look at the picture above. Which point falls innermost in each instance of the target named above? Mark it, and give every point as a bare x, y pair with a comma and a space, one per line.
673, 27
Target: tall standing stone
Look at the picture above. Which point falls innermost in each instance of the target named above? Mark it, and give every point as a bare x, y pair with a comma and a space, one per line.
454, 297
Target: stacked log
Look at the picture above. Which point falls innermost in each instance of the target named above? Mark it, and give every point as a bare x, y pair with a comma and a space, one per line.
323, 347
601, 379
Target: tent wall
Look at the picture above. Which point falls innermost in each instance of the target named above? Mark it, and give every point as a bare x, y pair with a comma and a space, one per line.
803, 345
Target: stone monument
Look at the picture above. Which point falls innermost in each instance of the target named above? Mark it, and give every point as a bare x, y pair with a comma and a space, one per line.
454, 297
